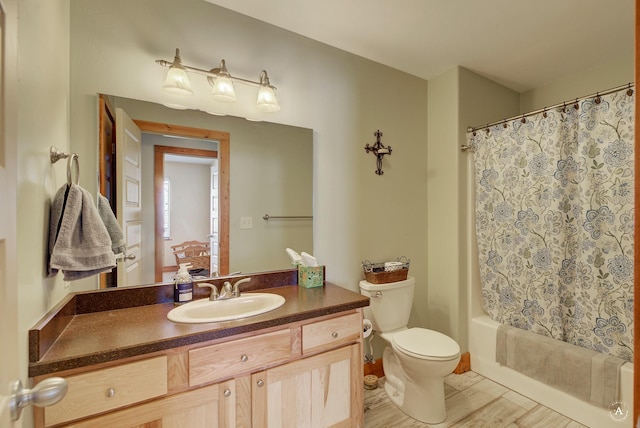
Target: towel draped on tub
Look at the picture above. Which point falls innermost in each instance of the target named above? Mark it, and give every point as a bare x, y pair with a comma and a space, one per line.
588, 375
79, 243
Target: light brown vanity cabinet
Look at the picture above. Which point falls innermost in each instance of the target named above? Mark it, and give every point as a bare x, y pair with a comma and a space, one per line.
297, 375
211, 406
324, 390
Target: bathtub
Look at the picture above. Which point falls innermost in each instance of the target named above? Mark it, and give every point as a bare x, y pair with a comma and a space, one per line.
482, 347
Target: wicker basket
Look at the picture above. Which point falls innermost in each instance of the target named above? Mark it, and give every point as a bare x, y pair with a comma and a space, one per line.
381, 273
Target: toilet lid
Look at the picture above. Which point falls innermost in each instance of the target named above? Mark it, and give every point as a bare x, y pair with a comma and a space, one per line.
424, 343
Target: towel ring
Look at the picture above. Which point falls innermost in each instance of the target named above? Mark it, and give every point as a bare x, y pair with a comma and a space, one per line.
72, 162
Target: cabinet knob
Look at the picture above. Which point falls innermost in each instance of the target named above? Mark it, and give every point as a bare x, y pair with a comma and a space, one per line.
260, 383
244, 358
110, 392
227, 392
334, 334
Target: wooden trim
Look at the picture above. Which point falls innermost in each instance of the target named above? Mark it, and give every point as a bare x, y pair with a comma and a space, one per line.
636, 238
464, 365
158, 180
224, 141
158, 184
374, 368
106, 116
377, 369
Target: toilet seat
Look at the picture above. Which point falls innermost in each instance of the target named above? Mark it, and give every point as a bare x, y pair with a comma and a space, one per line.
426, 344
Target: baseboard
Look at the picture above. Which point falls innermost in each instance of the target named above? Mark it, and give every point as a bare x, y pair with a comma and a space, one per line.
374, 368
464, 365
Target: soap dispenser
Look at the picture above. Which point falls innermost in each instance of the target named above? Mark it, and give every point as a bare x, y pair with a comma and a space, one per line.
183, 285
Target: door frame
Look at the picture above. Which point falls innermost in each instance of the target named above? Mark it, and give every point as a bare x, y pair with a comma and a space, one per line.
158, 180
223, 139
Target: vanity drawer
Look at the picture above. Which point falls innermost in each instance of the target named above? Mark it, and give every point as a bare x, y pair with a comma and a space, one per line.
331, 333
107, 389
228, 359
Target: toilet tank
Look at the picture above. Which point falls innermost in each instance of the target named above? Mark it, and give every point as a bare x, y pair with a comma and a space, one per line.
389, 304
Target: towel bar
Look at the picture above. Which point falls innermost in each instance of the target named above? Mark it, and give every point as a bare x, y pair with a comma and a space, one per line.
267, 216
72, 161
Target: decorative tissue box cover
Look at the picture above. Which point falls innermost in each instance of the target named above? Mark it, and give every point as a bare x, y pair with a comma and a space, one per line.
310, 276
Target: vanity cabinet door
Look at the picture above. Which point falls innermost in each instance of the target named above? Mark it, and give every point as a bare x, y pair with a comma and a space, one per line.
215, 406
320, 391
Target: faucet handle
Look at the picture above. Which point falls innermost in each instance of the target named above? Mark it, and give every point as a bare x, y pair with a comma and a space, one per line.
227, 287
236, 286
214, 289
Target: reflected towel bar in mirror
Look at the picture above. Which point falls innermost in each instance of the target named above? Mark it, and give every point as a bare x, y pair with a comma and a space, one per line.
268, 217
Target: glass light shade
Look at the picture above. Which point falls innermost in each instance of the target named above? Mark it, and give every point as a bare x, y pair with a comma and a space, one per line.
177, 81
267, 100
223, 90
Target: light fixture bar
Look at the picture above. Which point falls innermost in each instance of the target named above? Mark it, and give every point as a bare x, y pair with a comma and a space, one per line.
213, 73
221, 80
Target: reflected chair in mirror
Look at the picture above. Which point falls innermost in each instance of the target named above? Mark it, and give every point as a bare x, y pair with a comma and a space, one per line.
197, 253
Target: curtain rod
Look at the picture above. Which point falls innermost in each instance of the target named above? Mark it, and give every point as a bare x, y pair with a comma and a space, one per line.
562, 104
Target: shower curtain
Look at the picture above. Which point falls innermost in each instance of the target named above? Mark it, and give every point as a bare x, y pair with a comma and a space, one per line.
554, 221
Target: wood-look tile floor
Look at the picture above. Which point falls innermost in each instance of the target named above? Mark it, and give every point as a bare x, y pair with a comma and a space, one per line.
472, 401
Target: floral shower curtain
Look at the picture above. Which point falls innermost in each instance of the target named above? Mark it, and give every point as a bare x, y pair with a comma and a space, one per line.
554, 220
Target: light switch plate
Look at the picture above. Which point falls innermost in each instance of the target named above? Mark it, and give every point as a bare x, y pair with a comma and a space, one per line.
246, 222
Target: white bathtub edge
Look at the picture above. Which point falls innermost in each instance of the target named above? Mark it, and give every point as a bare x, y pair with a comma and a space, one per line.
482, 346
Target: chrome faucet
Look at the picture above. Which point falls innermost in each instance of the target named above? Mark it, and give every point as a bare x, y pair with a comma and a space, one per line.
227, 291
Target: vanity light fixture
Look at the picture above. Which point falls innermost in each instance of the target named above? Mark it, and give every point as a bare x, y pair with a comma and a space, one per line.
379, 150
221, 81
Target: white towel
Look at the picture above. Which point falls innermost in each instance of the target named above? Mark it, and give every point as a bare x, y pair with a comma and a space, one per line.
79, 244
110, 222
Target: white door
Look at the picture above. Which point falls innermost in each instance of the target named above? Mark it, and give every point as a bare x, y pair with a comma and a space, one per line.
214, 234
129, 203
9, 366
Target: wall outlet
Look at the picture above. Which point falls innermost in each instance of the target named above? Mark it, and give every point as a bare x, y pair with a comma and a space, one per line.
246, 222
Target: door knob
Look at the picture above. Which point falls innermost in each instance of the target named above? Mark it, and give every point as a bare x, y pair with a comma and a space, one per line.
46, 393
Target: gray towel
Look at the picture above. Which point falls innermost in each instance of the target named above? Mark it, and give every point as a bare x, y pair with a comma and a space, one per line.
110, 222
79, 244
583, 373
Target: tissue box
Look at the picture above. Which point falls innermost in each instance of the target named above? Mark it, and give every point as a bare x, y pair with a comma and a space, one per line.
310, 276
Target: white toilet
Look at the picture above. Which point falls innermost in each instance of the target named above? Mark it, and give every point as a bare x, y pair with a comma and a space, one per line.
418, 359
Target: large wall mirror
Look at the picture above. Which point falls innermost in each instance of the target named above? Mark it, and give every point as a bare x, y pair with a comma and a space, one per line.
203, 178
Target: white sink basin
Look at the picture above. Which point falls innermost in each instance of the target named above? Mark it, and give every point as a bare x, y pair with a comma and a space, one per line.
205, 310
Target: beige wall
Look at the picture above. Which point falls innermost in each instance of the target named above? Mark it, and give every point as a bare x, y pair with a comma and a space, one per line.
357, 215
43, 121
598, 78
415, 209
189, 184
457, 99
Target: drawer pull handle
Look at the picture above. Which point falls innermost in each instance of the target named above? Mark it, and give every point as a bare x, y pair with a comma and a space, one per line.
260, 383
227, 392
111, 392
244, 358
334, 334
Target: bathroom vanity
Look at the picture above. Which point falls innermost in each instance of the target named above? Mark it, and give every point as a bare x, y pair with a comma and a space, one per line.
127, 365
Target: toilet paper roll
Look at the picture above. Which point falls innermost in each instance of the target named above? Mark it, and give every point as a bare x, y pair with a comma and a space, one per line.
367, 328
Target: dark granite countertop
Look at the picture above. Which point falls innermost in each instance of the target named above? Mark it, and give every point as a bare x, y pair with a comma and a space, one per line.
68, 338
